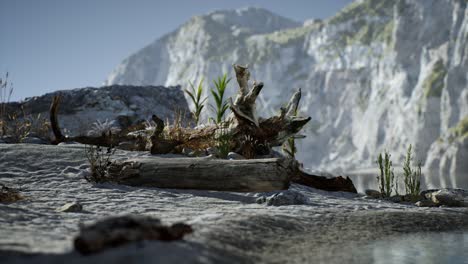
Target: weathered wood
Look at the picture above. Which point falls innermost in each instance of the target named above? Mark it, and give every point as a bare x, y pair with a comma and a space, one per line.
333, 184
259, 175
254, 175
59, 137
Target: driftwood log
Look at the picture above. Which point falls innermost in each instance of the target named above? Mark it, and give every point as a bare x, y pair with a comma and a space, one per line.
250, 135
255, 175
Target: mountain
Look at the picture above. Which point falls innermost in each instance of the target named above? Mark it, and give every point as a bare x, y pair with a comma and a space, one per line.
380, 74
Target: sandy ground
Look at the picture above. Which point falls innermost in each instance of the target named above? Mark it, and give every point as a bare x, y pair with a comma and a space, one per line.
229, 227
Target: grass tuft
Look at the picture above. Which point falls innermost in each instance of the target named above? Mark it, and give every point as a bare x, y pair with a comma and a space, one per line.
221, 105
99, 160
195, 95
6, 90
412, 176
387, 177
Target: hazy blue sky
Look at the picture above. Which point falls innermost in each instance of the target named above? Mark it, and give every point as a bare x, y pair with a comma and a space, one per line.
49, 45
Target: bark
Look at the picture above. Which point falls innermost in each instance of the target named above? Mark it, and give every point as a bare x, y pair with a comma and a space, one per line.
334, 184
54, 119
259, 175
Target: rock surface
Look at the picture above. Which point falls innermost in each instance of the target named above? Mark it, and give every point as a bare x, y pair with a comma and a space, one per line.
381, 74
228, 227
110, 107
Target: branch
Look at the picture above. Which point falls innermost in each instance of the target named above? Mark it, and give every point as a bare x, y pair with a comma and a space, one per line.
54, 120
242, 76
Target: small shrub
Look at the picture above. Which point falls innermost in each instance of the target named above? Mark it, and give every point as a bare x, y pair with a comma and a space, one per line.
221, 105
223, 141
99, 159
387, 177
412, 176
16, 127
195, 95
38, 126
9, 195
101, 128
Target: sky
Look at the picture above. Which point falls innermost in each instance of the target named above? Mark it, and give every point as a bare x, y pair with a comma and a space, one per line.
51, 45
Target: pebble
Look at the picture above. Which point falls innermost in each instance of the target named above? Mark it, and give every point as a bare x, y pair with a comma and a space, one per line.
74, 207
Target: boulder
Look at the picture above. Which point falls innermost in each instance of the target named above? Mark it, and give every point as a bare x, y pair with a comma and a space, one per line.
449, 197
115, 106
116, 231
373, 193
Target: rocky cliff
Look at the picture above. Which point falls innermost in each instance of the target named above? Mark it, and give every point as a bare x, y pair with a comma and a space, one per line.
381, 74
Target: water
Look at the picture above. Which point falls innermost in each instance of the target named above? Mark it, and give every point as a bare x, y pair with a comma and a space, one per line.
442, 247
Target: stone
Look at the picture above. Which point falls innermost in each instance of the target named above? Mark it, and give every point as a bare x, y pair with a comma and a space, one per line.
234, 156
425, 203
33, 140
283, 198
449, 197
186, 151
8, 139
395, 199
373, 193
261, 200
116, 231
68, 143
9, 195
212, 151
74, 207
126, 145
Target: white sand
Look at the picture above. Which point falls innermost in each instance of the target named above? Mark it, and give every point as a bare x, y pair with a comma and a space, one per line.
229, 227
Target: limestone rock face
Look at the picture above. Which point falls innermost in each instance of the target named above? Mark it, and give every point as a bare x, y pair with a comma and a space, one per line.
120, 105
381, 74
446, 163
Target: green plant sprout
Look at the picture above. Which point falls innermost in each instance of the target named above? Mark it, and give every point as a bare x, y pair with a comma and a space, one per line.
195, 95
387, 177
221, 105
412, 176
